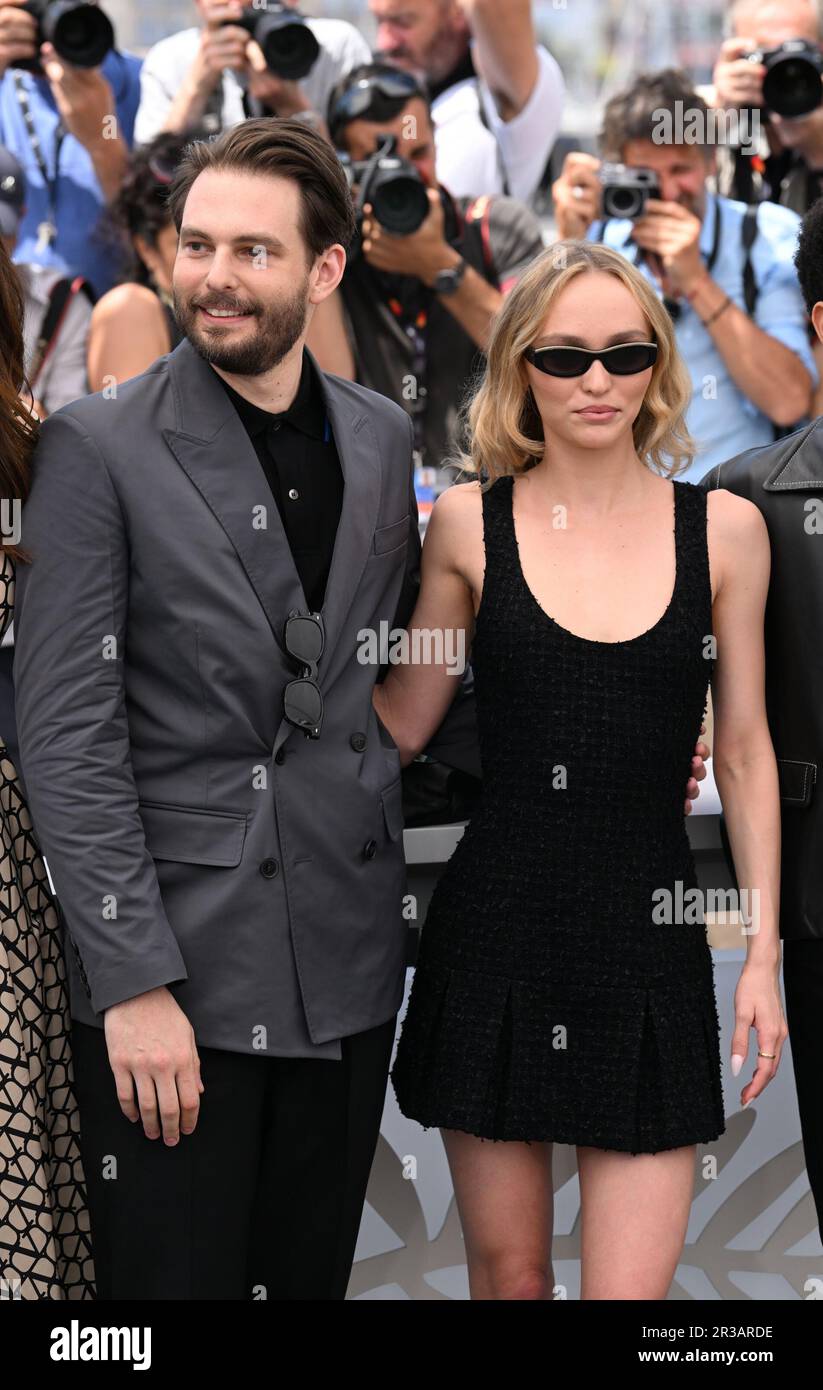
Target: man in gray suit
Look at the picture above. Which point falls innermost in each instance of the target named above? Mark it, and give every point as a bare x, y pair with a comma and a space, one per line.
218, 804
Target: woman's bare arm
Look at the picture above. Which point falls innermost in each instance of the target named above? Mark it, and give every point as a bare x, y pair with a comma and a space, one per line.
746, 768
413, 699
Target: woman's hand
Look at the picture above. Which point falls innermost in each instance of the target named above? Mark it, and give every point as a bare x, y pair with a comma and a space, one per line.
757, 1005
701, 753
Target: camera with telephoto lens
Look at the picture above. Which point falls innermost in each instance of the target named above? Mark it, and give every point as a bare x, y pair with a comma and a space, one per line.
81, 34
392, 185
791, 85
289, 46
626, 190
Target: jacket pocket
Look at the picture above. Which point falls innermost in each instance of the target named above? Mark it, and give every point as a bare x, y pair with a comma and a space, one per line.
192, 836
797, 781
391, 537
392, 800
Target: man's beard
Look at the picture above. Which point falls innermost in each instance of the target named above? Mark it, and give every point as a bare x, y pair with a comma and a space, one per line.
278, 329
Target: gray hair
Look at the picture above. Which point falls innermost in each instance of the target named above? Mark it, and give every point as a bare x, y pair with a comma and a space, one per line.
738, 8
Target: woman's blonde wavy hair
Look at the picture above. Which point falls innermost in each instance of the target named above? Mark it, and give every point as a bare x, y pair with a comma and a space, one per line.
501, 422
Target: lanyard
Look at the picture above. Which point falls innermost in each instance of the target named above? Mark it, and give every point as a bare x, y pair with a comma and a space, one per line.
47, 229
415, 330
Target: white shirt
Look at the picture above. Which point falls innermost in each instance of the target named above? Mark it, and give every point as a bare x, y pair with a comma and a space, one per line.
472, 158
342, 47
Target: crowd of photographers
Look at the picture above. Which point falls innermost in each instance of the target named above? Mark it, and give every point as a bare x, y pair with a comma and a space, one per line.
447, 131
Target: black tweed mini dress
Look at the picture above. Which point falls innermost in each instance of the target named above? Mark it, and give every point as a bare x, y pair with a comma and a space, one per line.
550, 1002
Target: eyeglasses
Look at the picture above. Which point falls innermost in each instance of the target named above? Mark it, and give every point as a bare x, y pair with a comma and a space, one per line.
357, 99
304, 637
624, 359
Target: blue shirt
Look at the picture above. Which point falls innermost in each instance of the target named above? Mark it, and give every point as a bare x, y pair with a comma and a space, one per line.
79, 199
720, 418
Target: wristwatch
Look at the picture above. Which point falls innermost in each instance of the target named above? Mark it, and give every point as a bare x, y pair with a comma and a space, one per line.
447, 281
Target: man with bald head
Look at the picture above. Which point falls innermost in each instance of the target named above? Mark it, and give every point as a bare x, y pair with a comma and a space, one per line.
787, 167
497, 95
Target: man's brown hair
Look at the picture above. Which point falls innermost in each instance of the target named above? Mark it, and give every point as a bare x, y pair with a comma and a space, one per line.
636, 112
286, 149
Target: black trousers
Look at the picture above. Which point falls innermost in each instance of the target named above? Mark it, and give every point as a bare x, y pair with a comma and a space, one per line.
803, 985
263, 1200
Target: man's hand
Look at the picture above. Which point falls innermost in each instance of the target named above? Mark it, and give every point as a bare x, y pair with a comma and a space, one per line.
701, 753
222, 45
672, 234
577, 195
737, 82
279, 94
151, 1048
422, 253
18, 35
84, 98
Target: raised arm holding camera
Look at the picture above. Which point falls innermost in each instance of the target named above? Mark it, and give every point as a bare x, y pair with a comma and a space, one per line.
496, 94
244, 60
726, 276
68, 99
771, 64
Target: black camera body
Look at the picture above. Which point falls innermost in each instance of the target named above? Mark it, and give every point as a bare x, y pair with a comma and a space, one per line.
791, 85
289, 46
392, 185
82, 34
626, 190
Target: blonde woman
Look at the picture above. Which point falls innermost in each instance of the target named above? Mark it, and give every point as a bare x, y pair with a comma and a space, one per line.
564, 990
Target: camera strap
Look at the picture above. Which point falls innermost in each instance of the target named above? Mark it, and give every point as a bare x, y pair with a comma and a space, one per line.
47, 229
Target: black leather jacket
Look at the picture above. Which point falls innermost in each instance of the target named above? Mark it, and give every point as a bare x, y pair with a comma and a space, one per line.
785, 480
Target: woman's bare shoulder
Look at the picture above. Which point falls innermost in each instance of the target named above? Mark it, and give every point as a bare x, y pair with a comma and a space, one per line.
735, 518
455, 526
132, 303
737, 536
458, 506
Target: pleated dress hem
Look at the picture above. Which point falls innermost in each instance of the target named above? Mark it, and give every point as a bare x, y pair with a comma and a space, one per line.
514, 1060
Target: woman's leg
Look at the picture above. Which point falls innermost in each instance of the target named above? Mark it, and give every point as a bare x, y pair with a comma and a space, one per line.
505, 1202
634, 1215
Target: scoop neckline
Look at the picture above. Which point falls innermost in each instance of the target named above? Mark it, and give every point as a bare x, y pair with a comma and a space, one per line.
595, 641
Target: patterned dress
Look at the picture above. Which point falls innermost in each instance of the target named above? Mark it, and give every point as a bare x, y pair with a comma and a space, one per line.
45, 1244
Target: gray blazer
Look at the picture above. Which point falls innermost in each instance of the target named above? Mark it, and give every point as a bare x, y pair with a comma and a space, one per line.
194, 837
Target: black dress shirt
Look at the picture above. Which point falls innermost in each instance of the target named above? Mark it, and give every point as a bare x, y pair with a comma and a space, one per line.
299, 457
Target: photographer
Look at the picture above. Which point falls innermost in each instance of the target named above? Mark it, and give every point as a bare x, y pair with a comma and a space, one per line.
787, 166
496, 94
411, 317
725, 274
216, 75
71, 128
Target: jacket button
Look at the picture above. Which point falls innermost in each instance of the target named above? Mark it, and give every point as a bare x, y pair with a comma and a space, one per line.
269, 868
370, 849
358, 742
280, 757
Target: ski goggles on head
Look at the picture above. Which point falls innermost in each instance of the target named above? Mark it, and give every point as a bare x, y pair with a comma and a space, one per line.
624, 359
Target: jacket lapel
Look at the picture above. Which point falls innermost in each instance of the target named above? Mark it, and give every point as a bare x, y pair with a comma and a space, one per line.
803, 467
211, 445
